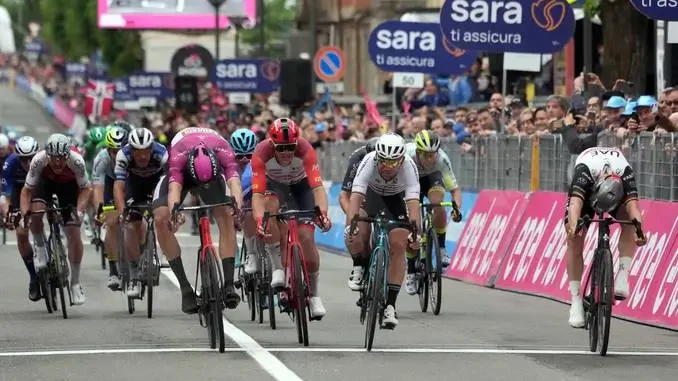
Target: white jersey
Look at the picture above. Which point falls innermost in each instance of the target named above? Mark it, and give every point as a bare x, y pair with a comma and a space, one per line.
103, 167
406, 180
442, 165
597, 158
74, 171
191, 130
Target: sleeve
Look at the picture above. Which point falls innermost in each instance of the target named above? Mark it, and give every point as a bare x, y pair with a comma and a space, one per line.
164, 156
582, 182
8, 175
363, 175
630, 187
176, 165
37, 166
99, 168
246, 180
411, 180
353, 163
310, 160
258, 163
445, 167
121, 164
227, 160
77, 165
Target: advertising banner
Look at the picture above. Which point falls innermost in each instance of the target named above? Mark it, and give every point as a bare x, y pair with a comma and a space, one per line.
666, 10
247, 75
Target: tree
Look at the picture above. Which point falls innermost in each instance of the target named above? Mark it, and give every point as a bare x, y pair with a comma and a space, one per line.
624, 38
278, 22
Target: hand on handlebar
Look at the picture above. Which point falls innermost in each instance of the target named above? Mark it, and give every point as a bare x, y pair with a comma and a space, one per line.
323, 222
640, 240
414, 239
455, 214
262, 230
177, 218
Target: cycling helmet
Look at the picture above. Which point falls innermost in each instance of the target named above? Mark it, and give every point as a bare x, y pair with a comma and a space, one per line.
122, 124
369, 147
390, 147
141, 138
243, 141
202, 165
26, 146
4, 141
116, 137
427, 141
97, 134
283, 131
607, 194
58, 145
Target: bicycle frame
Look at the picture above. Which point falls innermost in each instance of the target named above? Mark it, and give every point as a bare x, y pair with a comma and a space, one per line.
380, 243
290, 273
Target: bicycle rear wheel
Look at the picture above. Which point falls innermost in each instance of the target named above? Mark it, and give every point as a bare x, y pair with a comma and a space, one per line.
435, 273
300, 295
374, 295
212, 299
423, 274
605, 300
591, 305
270, 293
59, 261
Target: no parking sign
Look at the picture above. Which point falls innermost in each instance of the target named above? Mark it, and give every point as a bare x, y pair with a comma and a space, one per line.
329, 64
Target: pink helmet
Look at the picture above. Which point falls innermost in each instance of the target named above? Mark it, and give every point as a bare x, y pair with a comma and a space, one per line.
202, 165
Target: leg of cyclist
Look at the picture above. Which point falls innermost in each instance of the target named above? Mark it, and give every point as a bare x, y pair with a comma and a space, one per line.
411, 283
249, 233
133, 236
627, 247
360, 259
272, 243
70, 194
436, 195
576, 208
26, 252
37, 227
357, 246
112, 232
170, 246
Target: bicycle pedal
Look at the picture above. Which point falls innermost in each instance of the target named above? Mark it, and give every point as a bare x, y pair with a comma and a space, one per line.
619, 298
315, 318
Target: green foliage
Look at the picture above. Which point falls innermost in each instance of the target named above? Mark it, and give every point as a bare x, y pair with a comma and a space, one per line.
278, 21
592, 7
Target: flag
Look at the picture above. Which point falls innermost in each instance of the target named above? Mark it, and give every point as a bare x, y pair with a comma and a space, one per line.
99, 99
373, 113
325, 99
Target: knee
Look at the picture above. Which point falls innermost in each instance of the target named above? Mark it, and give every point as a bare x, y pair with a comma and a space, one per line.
162, 219
36, 223
306, 234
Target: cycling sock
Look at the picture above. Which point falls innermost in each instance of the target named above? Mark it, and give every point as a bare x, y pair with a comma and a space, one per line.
177, 267
393, 290
273, 251
251, 244
228, 264
441, 233
625, 263
28, 261
575, 287
112, 268
39, 240
75, 273
411, 265
313, 283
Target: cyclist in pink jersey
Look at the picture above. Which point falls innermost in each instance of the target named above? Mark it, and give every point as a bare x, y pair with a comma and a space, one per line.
200, 162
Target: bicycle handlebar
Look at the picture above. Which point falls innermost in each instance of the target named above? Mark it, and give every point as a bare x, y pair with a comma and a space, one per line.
292, 213
383, 221
611, 221
180, 208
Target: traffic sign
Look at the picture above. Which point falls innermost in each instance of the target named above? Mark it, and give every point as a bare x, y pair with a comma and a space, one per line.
413, 80
329, 64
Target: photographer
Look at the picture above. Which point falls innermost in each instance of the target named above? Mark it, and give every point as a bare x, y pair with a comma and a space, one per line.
580, 131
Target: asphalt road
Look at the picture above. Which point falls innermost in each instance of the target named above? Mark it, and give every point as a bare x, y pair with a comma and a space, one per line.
231, 7
481, 334
25, 116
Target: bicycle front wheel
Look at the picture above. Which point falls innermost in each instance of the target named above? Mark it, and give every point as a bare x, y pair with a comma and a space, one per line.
374, 295
212, 299
591, 305
60, 268
423, 274
149, 273
605, 300
434, 272
300, 295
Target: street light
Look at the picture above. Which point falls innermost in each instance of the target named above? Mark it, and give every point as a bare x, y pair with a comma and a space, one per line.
216, 4
238, 23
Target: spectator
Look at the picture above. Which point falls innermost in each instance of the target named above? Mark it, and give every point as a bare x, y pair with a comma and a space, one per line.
432, 97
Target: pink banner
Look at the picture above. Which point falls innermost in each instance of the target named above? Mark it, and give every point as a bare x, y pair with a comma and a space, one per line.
63, 113
486, 236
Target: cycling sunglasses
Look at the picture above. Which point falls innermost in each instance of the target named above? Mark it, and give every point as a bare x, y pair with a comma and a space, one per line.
389, 163
427, 155
247, 156
285, 147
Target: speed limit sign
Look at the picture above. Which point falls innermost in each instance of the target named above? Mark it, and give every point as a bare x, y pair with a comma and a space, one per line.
408, 80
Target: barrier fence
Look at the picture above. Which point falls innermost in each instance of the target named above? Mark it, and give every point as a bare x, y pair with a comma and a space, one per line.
543, 163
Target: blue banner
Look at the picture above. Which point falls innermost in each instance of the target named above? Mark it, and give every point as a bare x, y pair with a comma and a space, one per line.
666, 10
156, 85
247, 75
76, 73
522, 26
122, 90
399, 46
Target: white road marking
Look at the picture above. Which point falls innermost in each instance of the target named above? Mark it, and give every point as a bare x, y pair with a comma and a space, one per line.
259, 350
271, 364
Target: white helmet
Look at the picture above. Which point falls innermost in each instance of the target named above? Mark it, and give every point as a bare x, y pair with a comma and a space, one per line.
58, 145
141, 138
4, 141
26, 146
390, 147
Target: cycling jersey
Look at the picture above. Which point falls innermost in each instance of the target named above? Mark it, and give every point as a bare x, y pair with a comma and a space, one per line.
104, 167
73, 172
591, 163
353, 164
442, 165
125, 165
3, 160
187, 139
246, 180
368, 176
304, 165
13, 175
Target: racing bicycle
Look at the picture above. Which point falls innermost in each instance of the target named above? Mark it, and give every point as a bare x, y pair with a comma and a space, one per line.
96, 240
600, 297
373, 297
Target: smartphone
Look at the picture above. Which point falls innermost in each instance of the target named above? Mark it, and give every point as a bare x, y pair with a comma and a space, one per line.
591, 115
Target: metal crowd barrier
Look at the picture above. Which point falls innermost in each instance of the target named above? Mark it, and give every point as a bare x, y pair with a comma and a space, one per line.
544, 163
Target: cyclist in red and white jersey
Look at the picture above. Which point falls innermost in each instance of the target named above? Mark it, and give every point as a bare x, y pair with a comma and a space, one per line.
603, 182
200, 162
60, 171
284, 165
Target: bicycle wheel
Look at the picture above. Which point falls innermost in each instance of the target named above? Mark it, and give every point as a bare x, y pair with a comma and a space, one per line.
434, 272
251, 285
59, 261
300, 295
374, 295
591, 305
46, 290
260, 291
423, 274
605, 300
270, 293
212, 300
149, 273
102, 250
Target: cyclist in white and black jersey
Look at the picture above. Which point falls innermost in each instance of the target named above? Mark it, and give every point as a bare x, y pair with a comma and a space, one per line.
386, 180
603, 182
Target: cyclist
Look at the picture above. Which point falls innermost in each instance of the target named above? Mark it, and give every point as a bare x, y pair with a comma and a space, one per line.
435, 177
603, 182
386, 180
121, 124
4, 149
138, 168
13, 177
202, 163
58, 170
244, 141
94, 142
359, 261
286, 165
103, 177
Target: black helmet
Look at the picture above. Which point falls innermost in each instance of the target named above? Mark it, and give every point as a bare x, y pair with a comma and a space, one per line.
371, 143
608, 193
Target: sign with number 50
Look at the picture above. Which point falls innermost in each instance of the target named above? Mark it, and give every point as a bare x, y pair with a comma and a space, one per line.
408, 80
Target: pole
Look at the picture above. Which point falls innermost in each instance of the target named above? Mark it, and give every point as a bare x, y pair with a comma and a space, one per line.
588, 49
394, 109
216, 33
314, 38
237, 42
668, 69
262, 29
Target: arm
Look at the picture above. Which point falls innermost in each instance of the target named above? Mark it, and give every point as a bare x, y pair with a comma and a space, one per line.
359, 188
99, 178
312, 169
582, 181
176, 165
7, 183
121, 164
226, 159
345, 200
258, 187
412, 190
77, 165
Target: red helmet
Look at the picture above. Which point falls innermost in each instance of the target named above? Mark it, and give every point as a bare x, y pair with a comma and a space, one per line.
283, 131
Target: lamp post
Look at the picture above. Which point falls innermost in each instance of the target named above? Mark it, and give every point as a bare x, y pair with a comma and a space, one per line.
216, 4
238, 23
